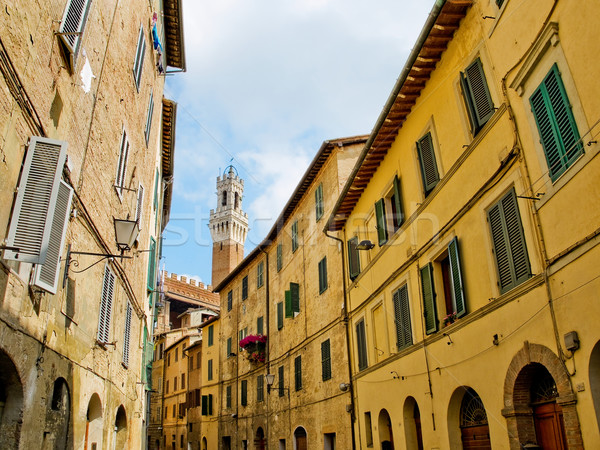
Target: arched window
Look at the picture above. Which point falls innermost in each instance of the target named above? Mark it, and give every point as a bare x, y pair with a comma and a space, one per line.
224, 198
300, 439
473, 422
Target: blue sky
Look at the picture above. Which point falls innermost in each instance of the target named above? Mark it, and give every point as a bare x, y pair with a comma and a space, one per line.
266, 83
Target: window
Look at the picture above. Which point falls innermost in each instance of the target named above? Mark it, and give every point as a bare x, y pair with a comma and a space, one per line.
156, 185
382, 234
402, 317
294, 236
260, 388
244, 395
228, 397
279, 315
210, 370
259, 274
207, 401
453, 283
319, 209
353, 258
298, 372
245, 287
281, 381
361, 343
138, 63
127, 335
323, 275
183, 381
429, 306
229, 300
149, 118
211, 335
168, 359
174, 412
326, 360
176, 354
139, 205
556, 125
477, 95
228, 350
369, 429
394, 201
71, 29
108, 289
259, 325
292, 300
152, 265
428, 164
122, 164
243, 333
167, 387
191, 363
174, 384
198, 360
510, 249
279, 256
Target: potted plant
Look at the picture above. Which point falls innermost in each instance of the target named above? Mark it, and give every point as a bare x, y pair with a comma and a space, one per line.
450, 318
255, 347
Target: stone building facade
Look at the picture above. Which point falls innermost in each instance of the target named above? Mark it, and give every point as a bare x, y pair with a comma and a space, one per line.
288, 290
86, 137
471, 227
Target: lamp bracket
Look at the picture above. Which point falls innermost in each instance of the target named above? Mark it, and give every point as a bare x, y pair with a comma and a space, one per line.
69, 261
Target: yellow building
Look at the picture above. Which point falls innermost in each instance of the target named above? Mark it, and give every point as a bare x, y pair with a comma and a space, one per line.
289, 290
471, 221
87, 137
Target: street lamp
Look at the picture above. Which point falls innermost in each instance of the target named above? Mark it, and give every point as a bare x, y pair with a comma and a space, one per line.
365, 245
270, 379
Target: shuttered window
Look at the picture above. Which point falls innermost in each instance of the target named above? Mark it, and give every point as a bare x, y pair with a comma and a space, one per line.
46, 275
326, 360
499, 3
428, 292
510, 250
127, 335
477, 95
279, 256
245, 287
138, 63
458, 293
149, 118
260, 274
244, 395
361, 343
288, 304
228, 348
556, 125
152, 265
281, 381
396, 203
319, 209
211, 335
382, 234
279, 315
35, 203
353, 258
294, 236
295, 297
209, 370
229, 300
106, 300
260, 388
259, 325
298, 373
139, 206
402, 317
71, 28
122, 164
228, 397
156, 184
428, 163
323, 275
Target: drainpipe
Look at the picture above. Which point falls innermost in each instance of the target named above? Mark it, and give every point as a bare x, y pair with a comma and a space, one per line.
267, 329
346, 320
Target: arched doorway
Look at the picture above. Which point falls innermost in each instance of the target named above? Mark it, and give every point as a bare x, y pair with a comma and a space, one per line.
11, 402
300, 439
93, 425
58, 414
259, 439
540, 403
386, 437
120, 430
474, 429
595, 379
204, 444
412, 424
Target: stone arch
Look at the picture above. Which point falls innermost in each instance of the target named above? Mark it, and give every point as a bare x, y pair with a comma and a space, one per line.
58, 415
204, 444
412, 424
93, 426
594, 374
386, 436
120, 429
11, 402
259, 439
467, 419
517, 410
300, 439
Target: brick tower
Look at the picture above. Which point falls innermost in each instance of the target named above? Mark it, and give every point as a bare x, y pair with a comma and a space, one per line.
228, 225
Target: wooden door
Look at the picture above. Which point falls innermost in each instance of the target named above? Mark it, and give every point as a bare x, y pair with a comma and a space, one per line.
301, 443
549, 426
476, 437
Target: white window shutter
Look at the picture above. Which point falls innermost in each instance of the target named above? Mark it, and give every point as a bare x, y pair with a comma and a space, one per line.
122, 164
108, 289
46, 275
31, 220
127, 335
139, 208
138, 63
73, 22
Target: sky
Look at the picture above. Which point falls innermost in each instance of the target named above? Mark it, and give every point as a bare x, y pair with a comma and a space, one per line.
266, 83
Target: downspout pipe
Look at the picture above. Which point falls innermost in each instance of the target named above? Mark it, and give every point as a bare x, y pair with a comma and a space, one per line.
346, 324
412, 57
267, 329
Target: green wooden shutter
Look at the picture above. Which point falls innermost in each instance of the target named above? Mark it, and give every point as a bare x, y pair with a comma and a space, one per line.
322, 275
382, 235
229, 300
260, 396
298, 372
244, 392
281, 387
326, 360
477, 94
210, 369
279, 315
361, 344
279, 256
428, 163
245, 287
228, 350
319, 202
294, 236
259, 325
210, 335
428, 290
295, 293
289, 312
228, 397
558, 131
402, 317
210, 404
152, 265
204, 405
458, 292
353, 258
398, 202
